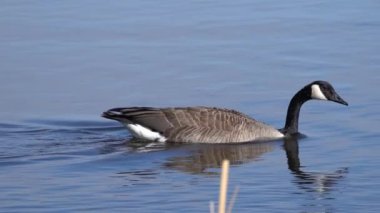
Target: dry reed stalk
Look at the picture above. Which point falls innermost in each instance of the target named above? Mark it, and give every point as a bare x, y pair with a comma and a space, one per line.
223, 186
233, 198
212, 207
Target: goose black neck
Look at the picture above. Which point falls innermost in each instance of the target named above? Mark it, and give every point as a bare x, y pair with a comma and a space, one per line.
291, 124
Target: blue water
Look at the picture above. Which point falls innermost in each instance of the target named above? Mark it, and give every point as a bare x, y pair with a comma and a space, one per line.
64, 62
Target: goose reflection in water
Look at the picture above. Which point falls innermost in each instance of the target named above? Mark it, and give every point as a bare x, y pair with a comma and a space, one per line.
203, 158
310, 181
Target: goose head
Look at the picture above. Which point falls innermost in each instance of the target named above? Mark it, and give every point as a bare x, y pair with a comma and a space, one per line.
317, 90
322, 90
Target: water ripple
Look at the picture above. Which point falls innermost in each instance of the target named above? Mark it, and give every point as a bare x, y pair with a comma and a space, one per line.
40, 138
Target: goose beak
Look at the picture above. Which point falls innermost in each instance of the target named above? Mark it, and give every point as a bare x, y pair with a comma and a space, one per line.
336, 98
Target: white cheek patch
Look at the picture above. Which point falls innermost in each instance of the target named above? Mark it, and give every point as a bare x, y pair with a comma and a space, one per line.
145, 133
316, 92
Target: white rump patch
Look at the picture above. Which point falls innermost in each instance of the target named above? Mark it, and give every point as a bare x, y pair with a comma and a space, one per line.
144, 133
316, 92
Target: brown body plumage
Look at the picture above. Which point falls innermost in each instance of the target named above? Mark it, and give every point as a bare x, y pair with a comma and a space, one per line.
196, 124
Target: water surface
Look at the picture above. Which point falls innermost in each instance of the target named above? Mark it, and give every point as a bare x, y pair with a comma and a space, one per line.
63, 63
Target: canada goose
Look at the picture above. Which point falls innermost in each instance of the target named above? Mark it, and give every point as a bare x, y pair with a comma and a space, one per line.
215, 125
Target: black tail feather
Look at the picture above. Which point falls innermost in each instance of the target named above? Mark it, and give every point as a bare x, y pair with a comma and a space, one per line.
114, 115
